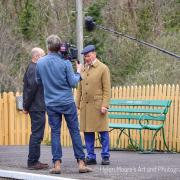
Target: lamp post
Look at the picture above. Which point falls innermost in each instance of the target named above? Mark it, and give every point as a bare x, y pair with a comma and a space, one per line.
79, 29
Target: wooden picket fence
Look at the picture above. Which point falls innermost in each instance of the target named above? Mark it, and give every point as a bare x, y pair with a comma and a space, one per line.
15, 127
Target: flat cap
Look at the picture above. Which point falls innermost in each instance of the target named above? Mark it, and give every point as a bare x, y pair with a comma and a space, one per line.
88, 49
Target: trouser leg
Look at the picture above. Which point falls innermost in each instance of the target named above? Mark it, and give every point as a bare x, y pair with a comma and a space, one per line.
37, 133
105, 144
55, 120
73, 126
89, 140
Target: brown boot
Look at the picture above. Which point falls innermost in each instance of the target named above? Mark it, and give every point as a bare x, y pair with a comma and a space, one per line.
83, 168
38, 166
57, 168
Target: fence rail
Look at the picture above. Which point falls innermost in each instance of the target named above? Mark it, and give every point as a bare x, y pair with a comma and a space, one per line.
15, 127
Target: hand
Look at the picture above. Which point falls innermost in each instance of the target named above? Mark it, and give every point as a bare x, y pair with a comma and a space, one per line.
79, 67
25, 112
104, 110
78, 112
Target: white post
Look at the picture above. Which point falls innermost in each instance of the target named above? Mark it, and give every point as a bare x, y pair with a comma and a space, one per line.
79, 29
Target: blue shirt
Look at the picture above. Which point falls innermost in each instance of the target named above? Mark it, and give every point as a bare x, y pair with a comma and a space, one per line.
58, 78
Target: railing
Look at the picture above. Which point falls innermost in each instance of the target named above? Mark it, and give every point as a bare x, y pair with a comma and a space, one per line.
15, 126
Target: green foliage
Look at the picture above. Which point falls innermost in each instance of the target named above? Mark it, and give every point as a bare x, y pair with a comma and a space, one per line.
95, 10
126, 61
32, 21
157, 67
132, 147
96, 38
26, 19
145, 20
172, 21
27, 23
20, 57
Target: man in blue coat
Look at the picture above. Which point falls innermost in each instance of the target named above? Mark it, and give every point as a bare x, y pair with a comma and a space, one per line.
58, 78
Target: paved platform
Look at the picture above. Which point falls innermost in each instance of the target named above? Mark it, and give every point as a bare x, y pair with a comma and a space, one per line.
125, 165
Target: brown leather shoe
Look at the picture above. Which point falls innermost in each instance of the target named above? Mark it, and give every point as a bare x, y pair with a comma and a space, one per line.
57, 168
83, 168
38, 166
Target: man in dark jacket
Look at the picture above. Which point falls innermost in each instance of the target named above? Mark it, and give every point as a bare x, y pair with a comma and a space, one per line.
33, 103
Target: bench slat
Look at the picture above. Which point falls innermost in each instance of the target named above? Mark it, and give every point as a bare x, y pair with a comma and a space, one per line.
133, 126
136, 110
122, 102
136, 117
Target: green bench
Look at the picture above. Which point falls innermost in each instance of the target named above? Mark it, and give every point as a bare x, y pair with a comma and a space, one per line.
139, 115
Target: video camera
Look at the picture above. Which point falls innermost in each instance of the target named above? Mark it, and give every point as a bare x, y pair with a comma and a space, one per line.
68, 51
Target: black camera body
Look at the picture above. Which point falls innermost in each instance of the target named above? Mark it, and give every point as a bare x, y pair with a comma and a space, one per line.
68, 51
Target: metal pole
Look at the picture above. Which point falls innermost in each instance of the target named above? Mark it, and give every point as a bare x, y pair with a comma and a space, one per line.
79, 29
139, 41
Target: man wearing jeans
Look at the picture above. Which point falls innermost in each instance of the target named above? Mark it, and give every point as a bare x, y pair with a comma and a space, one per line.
33, 103
58, 78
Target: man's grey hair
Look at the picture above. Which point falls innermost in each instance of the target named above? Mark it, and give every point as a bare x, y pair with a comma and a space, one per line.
53, 43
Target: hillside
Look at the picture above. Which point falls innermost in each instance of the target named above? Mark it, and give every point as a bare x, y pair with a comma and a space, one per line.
27, 23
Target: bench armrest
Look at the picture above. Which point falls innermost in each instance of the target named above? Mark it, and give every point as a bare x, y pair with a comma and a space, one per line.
142, 118
144, 126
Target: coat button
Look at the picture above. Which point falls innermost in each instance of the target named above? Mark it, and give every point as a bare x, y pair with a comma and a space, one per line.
86, 83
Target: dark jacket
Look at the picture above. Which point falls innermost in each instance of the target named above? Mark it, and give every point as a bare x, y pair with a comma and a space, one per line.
33, 93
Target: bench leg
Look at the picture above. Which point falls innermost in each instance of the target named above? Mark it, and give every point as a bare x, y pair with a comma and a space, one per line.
117, 141
140, 141
131, 140
136, 144
152, 142
118, 138
164, 139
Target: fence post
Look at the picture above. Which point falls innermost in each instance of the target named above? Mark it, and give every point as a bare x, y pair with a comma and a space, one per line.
1, 121
11, 105
5, 119
18, 126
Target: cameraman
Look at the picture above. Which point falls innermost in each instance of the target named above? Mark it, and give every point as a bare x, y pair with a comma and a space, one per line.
58, 79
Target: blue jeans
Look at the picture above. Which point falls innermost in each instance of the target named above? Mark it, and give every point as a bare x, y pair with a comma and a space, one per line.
55, 118
37, 133
89, 140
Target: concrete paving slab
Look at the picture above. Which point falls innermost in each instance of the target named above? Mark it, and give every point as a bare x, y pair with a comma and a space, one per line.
124, 165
